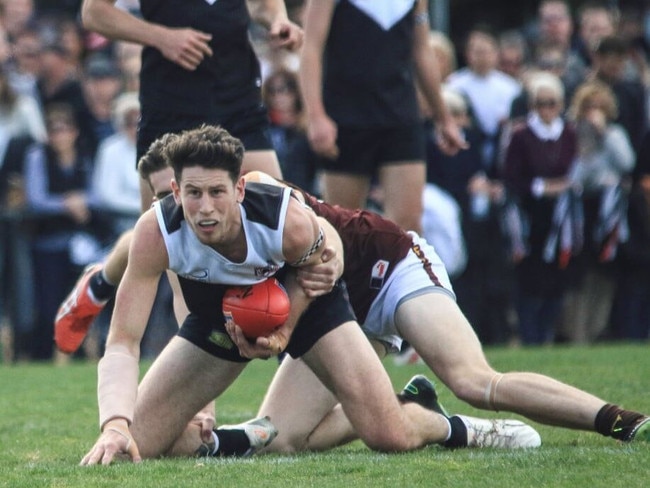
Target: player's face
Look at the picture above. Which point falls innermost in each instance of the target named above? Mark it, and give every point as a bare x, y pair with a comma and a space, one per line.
210, 203
160, 182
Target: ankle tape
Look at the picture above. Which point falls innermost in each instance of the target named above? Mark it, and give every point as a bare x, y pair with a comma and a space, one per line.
491, 392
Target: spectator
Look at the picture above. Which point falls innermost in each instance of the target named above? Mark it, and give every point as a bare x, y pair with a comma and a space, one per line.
596, 20
537, 164
128, 58
17, 302
19, 114
57, 178
281, 96
608, 66
632, 311
489, 91
116, 183
24, 67
16, 15
555, 25
605, 159
513, 54
58, 83
101, 83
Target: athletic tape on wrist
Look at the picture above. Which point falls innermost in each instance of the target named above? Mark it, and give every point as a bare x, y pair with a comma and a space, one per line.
117, 387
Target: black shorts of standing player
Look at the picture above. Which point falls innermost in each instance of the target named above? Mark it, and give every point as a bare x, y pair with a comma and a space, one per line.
249, 126
363, 150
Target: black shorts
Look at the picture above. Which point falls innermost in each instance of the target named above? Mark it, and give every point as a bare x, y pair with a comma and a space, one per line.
362, 151
323, 315
250, 126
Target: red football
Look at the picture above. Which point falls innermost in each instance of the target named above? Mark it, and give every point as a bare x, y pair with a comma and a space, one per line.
257, 309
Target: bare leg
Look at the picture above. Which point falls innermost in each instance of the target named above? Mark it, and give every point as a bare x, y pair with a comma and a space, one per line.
346, 190
366, 394
403, 186
181, 381
434, 325
265, 161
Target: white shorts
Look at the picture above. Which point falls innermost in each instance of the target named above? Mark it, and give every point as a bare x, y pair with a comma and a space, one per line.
409, 280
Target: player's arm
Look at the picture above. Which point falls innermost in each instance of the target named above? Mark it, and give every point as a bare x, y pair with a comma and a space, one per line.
307, 240
184, 46
321, 129
118, 370
450, 139
272, 14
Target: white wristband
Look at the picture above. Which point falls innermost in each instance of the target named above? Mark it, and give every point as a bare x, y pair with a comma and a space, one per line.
117, 386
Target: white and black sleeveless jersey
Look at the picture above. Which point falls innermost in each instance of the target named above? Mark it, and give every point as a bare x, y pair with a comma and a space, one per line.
263, 212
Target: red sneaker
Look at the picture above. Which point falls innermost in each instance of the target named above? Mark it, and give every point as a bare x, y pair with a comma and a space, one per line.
76, 313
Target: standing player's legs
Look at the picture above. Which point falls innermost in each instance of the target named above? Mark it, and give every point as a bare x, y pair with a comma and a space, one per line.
402, 174
181, 381
346, 190
262, 160
403, 185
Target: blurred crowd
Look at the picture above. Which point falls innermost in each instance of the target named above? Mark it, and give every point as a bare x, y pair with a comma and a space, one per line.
543, 223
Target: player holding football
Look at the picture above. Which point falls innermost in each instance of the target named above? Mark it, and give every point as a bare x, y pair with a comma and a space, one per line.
213, 234
399, 289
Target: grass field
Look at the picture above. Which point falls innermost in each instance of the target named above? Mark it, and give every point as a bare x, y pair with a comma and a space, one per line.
48, 419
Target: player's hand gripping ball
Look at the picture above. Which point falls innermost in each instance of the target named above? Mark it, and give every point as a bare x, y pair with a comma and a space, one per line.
257, 309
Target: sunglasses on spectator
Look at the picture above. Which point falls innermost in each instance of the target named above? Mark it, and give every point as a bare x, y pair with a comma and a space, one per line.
546, 103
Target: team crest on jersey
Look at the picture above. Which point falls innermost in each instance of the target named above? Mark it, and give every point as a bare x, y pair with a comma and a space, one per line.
197, 275
265, 271
378, 274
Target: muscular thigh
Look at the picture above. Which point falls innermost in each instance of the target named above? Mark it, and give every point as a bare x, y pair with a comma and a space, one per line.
345, 361
181, 381
434, 325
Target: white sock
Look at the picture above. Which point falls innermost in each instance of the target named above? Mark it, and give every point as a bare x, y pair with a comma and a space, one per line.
215, 437
448, 429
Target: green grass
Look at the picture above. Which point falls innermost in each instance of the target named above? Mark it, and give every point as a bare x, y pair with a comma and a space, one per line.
48, 419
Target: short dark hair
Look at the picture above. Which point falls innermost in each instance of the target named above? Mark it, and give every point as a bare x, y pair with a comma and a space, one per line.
154, 159
207, 146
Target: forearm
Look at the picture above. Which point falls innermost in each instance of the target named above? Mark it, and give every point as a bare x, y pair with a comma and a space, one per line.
428, 76
117, 385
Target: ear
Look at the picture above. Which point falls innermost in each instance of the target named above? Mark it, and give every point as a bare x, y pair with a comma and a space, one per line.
240, 189
176, 190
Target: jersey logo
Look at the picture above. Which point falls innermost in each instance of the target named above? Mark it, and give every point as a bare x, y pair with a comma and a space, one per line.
378, 274
221, 340
266, 271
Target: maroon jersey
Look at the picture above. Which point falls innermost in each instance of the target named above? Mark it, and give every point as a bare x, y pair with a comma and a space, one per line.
373, 246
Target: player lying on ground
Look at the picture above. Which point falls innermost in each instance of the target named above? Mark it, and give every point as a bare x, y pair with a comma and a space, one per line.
399, 289
214, 234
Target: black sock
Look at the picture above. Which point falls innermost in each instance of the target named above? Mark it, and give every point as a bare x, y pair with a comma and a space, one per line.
613, 421
458, 436
232, 442
101, 288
